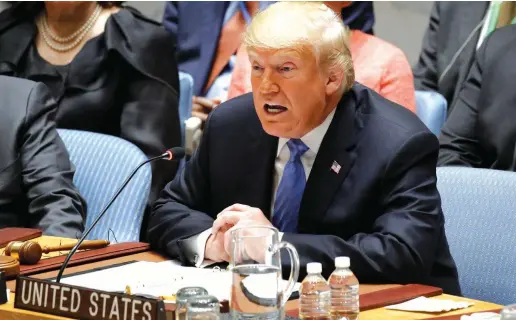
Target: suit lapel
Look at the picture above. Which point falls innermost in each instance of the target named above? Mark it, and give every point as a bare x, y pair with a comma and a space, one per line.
258, 163
324, 181
261, 169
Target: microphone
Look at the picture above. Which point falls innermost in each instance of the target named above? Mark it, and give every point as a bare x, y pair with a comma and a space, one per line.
175, 153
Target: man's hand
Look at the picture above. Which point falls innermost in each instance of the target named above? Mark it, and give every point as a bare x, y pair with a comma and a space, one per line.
236, 213
214, 249
237, 216
201, 107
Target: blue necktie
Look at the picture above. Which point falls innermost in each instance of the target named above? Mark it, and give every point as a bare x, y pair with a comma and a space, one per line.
290, 189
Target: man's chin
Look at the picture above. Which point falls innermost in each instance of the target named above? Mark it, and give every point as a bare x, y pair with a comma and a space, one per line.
278, 130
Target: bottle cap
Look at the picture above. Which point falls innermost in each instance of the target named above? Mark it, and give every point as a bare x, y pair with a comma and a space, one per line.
313, 267
342, 262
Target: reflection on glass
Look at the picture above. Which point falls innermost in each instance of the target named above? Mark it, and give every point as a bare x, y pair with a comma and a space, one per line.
202, 308
183, 295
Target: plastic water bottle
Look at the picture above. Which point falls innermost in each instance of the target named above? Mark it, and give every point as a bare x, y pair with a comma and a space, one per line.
344, 291
314, 295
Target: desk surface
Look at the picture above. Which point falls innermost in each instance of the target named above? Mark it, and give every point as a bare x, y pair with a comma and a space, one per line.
8, 312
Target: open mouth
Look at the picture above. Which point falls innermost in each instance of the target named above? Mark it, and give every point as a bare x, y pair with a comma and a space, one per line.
274, 109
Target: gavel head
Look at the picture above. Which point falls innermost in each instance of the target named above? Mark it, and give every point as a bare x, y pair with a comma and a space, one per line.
27, 252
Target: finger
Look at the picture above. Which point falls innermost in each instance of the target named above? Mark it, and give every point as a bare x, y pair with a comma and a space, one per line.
228, 234
201, 115
228, 218
197, 107
207, 103
236, 207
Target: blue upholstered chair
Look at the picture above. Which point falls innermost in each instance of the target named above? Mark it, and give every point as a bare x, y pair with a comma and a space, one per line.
102, 164
479, 206
431, 108
185, 99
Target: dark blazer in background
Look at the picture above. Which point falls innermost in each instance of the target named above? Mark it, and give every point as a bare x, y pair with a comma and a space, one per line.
382, 209
451, 23
481, 130
123, 83
36, 177
196, 26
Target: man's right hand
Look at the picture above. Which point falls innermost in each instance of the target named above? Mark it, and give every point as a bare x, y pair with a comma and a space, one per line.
214, 249
201, 107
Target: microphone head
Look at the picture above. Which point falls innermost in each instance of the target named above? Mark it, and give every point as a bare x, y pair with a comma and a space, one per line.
175, 153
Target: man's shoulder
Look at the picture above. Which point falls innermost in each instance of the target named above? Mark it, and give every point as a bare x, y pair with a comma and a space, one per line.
389, 131
384, 115
235, 112
15, 89
499, 45
15, 104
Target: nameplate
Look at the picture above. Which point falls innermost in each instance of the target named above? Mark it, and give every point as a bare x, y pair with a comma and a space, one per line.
82, 303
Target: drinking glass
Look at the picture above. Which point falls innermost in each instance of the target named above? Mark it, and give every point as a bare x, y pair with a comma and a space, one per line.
182, 297
202, 308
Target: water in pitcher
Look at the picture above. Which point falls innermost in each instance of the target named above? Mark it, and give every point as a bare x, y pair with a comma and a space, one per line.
255, 293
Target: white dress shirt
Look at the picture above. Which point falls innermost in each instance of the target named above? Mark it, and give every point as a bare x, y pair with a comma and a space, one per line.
196, 245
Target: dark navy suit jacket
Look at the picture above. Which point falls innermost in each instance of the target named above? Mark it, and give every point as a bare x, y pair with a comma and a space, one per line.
197, 25
382, 209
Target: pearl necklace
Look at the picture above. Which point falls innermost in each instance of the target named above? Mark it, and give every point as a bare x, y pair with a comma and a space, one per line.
63, 44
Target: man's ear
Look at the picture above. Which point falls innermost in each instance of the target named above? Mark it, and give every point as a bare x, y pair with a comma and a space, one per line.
334, 81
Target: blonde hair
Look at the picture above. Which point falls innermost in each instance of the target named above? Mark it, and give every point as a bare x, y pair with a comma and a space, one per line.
302, 26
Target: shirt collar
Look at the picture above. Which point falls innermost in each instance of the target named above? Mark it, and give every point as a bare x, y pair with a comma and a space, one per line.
312, 139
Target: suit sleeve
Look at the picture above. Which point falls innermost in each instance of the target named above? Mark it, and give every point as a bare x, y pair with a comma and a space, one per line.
401, 245
54, 204
171, 18
180, 212
425, 72
458, 138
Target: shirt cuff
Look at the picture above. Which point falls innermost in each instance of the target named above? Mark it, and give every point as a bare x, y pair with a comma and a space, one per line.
195, 247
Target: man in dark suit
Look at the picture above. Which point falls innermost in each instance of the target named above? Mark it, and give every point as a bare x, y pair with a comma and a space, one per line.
36, 187
339, 170
455, 32
449, 46
481, 131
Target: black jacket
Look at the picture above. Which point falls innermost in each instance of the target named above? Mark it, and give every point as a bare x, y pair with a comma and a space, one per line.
454, 29
382, 208
481, 130
123, 82
36, 177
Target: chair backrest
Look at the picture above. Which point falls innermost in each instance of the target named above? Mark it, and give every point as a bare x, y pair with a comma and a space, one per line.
186, 84
431, 108
479, 206
102, 164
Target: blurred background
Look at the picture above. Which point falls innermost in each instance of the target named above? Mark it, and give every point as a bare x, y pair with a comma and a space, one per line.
401, 23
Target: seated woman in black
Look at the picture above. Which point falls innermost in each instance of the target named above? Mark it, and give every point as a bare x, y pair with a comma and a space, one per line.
110, 69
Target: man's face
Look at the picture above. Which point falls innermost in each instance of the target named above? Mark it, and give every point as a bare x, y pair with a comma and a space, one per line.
289, 91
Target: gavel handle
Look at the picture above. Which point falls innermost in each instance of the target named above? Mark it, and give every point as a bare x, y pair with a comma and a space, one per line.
89, 244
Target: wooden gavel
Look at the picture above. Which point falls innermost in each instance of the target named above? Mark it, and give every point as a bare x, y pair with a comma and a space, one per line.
30, 252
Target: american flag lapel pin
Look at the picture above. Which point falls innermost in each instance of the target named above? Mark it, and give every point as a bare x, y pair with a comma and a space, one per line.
335, 167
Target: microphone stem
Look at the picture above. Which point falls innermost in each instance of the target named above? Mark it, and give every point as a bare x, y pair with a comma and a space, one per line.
87, 232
